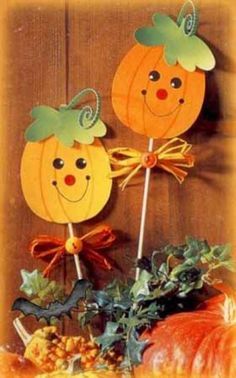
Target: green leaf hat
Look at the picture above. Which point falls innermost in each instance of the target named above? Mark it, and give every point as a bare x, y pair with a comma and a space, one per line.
68, 125
181, 45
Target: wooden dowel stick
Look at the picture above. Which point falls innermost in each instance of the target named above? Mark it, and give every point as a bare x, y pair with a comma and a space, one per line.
79, 272
76, 257
20, 329
144, 209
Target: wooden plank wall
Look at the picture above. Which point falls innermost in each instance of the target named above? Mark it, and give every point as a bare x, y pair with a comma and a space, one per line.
51, 50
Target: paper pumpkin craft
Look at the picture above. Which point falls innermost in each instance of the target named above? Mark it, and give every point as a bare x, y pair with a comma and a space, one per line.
65, 172
159, 86
158, 91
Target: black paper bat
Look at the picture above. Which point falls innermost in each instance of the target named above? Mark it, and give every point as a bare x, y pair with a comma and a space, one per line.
54, 309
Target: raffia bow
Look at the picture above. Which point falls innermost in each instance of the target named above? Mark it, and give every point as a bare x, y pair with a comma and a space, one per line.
46, 247
171, 157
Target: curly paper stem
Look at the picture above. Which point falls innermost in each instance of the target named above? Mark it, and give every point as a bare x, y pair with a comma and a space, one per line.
189, 20
88, 116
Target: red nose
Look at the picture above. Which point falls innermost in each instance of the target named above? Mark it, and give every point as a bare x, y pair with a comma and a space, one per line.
69, 180
161, 94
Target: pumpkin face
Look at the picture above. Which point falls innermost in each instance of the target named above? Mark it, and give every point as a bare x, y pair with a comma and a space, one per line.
65, 184
199, 344
153, 98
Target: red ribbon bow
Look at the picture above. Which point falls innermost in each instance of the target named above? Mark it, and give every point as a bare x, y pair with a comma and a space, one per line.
48, 247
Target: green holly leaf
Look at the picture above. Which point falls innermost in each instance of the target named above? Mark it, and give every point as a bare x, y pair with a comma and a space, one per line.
135, 347
102, 298
109, 337
85, 318
222, 252
152, 311
133, 321
179, 47
195, 246
141, 287
33, 282
118, 290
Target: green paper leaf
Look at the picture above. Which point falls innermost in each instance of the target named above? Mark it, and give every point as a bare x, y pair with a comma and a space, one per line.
47, 120
33, 282
188, 50
66, 124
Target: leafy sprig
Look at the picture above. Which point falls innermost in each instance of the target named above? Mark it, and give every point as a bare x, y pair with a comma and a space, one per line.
162, 288
168, 283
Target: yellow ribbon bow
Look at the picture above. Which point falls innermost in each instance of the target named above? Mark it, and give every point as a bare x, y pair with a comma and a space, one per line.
170, 157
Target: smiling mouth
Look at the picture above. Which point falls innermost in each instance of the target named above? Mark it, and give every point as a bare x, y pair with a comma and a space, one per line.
54, 183
181, 102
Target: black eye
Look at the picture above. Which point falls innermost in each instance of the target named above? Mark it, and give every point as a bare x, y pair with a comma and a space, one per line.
81, 163
58, 163
154, 75
176, 82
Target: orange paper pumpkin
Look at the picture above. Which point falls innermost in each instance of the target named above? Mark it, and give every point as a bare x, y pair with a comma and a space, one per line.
65, 170
159, 86
153, 98
65, 184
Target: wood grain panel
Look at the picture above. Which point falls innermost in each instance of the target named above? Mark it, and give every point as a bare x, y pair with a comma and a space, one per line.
53, 50
35, 74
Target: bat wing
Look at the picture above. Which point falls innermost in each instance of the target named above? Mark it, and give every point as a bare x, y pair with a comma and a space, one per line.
27, 307
55, 309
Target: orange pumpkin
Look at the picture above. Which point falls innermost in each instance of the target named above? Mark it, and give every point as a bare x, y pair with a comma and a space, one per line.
153, 98
65, 184
199, 344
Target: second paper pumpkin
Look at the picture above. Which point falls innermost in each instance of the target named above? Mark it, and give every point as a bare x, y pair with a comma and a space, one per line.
159, 86
154, 98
